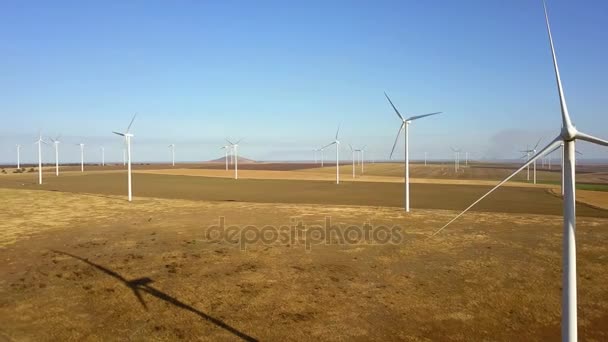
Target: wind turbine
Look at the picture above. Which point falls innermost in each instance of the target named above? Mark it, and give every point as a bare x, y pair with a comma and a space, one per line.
81, 156
405, 123
40, 142
456, 159
361, 160
567, 136
322, 150
56, 145
353, 151
528, 153
128, 137
18, 156
235, 148
103, 156
337, 143
226, 155
172, 147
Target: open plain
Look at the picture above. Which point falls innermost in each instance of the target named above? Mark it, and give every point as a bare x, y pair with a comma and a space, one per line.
80, 263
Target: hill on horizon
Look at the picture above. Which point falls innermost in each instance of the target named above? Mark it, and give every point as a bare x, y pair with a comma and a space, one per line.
240, 159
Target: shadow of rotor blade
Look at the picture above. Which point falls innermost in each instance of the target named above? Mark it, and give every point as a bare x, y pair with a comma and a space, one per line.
163, 296
141, 284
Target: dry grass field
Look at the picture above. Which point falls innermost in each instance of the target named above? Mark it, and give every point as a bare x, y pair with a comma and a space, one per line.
81, 263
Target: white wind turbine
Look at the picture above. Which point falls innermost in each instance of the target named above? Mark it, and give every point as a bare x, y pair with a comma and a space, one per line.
337, 143
405, 123
81, 156
172, 147
225, 148
361, 159
18, 156
322, 150
103, 156
456, 159
568, 136
56, 145
235, 148
40, 141
530, 152
128, 137
353, 151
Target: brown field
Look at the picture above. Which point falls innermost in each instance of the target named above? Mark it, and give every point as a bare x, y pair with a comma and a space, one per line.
81, 263
424, 195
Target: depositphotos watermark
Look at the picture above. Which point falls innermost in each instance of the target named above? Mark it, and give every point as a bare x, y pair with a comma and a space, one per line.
300, 234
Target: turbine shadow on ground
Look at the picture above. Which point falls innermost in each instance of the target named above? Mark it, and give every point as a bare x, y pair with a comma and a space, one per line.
143, 284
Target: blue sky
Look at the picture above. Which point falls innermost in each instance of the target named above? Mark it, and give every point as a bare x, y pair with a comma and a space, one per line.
282, 75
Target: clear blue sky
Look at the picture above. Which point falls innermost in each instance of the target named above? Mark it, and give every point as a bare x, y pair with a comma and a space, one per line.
283, 75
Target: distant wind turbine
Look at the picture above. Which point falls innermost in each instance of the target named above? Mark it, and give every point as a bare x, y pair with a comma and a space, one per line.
103, 156
40, 141
225, 148
361, 159
337, 143
567, 136
81, 156
172, 147
322, 150
405, 123
18, 156
128, 137
353, 151
56, 145
531, 152
235, 148
456, 158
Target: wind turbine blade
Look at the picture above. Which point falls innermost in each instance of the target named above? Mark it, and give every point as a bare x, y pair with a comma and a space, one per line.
556, 142
591, 139
562, 100
577, 152
535, 146
338, 131
238, 141
131, 123
395, 108
121, 134
326, 146
421, 116
230, 142
351, 146
396, 139
553, 150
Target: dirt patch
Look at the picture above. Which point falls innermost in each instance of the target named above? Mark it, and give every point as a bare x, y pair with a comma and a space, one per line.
423, 196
